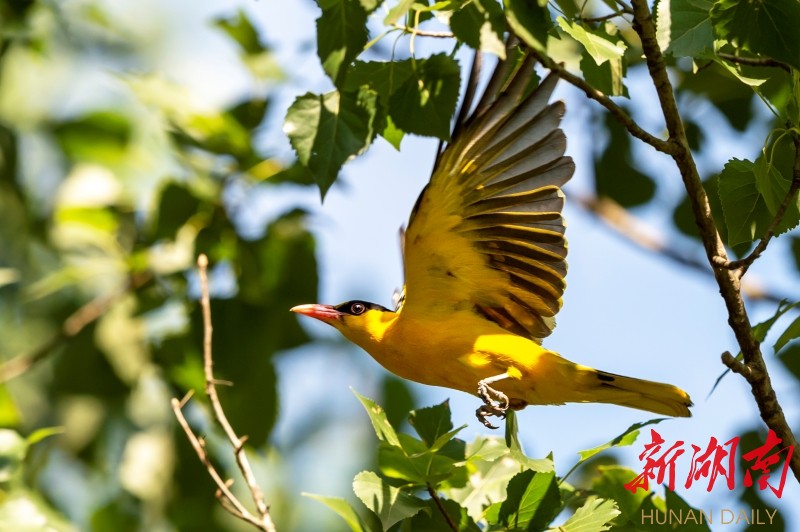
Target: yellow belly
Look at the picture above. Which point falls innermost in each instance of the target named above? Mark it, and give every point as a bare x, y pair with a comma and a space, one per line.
459, 349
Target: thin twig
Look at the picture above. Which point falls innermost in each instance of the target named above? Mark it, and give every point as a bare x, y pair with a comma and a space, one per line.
755, 61
423, 33
728, 281
264, 519
438, 501
616, 111
74, 324
635, 231
603, 18
225, 493
744, 263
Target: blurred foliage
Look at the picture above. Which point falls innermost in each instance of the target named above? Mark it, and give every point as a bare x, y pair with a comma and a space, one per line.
486, 484
114, 177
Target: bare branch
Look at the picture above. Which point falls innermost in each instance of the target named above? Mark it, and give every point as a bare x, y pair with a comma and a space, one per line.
636, 232
744, 263
728, 280
264, 519
231, 502
603, 18
755, 61
438, 501
735, 365
74, 324
424, 33
616, 111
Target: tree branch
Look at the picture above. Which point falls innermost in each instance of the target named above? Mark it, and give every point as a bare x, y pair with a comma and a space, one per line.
728, 281
617, 218
74, 324
264, 520
616, 111
438, 501
423, 33
755, 61
744, 263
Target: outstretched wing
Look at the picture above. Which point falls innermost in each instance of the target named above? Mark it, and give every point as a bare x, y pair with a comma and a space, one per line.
487, 232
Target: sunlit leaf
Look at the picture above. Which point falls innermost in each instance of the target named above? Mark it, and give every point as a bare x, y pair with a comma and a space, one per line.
628, 437
594, 516
684, 27
389, 503
383, 429
481, 25
529, 21
600, 47
341, 507
327, 130
241, 30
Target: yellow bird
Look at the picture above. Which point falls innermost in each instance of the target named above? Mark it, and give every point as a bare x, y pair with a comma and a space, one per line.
484, 259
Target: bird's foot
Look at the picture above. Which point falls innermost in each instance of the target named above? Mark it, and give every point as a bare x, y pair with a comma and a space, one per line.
484, 412
495, 402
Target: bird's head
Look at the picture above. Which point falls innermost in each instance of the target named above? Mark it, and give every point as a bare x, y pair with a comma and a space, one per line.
361, 322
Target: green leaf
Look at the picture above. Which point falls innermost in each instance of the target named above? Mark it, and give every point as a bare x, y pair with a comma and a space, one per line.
760, 331
515, 451
790, 358
610, 484
792, 332
389, 503
676, 503
529, 21
795, 248
327, 130
532, 501
432, 520
398, 12
683, 217
241, 30
684, 27
100, 136
744, 207
594, 516
341, 35
370, 5
628, 437
341, 507
764, 27
426, 101
615, 174
607, 78
413, 461
774, 188
432, 422
481, 25
599, 46
383, 429
42, 434
384, 77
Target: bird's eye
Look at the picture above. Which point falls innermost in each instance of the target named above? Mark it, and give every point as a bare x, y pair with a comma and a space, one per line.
357, 308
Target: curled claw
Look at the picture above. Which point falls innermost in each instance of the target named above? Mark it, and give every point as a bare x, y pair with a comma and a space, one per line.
484, 412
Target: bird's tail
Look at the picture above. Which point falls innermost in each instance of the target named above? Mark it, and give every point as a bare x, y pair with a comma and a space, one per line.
652, 396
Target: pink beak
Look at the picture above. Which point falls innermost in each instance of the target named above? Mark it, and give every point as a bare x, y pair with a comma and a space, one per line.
321, 312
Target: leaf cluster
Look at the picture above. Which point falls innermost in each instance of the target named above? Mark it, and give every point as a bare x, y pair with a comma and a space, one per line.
436, 481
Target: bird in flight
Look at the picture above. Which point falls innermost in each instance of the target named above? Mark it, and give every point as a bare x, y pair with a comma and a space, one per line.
485, 260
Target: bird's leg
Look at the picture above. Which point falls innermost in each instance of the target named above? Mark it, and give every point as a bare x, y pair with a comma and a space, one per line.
495, 402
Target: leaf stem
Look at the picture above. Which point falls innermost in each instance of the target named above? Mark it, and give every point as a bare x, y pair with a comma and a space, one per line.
438, 501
